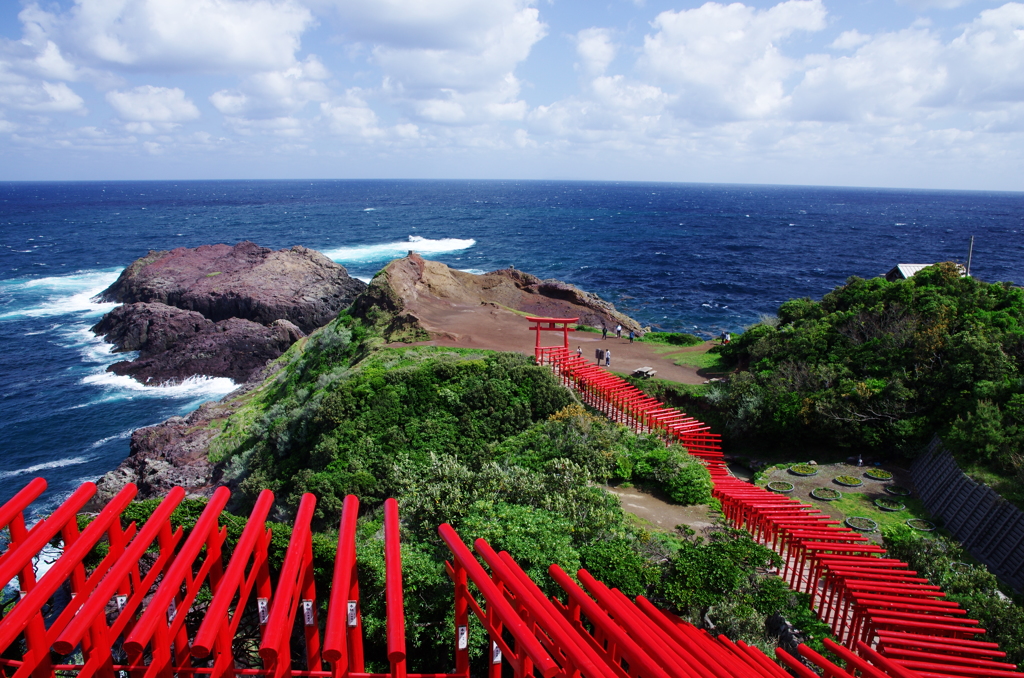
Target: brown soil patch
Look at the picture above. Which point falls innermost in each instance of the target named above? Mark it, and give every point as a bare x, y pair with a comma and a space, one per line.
489, 326
659, 513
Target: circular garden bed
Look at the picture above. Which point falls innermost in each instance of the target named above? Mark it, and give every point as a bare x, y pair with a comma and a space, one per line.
848, 481
890, 504
878, 474
921, 524
826, 494
861, 524
897, 490
780, 486
803, 470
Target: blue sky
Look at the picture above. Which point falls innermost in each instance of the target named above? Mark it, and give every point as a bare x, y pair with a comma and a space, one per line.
911, 93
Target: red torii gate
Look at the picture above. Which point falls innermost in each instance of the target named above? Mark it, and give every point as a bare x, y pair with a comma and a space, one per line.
538, 326
597, 633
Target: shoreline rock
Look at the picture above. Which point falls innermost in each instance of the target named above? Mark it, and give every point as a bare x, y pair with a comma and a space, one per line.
220, 310
241, 281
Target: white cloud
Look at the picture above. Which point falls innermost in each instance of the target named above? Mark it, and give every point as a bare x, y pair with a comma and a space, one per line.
725, 61
448, 61
884, 81
595, 47
151, 104
987, 59
850, 39
275, 93
934, 4
37, 96
180, 35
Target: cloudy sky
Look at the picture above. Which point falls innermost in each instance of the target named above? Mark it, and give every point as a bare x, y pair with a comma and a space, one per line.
900, 93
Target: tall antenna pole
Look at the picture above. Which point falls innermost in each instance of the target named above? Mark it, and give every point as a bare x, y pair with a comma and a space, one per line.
970, 253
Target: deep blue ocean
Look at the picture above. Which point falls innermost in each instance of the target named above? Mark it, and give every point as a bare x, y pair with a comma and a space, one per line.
680, 257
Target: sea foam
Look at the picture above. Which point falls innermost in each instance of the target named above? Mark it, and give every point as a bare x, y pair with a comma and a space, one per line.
210, 387
35, 468
394, 250
58, 295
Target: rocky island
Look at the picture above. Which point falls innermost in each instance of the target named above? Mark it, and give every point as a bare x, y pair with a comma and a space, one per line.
220, 310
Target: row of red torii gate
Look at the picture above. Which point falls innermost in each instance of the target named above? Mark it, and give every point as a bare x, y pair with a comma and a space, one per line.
123, 612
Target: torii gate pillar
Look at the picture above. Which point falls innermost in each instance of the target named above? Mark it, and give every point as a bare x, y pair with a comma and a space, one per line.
551, 325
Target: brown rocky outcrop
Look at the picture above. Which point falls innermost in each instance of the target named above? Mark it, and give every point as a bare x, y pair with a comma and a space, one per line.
174, 344
172, 453
220, 310
241, 281
417, 295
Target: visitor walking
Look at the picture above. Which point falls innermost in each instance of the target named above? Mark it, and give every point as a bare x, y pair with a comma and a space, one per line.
618, 331
631, 335
722, 338
579, 351
604, 332
728, 338
608, 358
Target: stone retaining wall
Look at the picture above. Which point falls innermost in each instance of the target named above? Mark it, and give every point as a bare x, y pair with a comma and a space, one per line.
988, 526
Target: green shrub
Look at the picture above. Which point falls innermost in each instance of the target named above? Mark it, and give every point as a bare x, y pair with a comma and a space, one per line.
672, 338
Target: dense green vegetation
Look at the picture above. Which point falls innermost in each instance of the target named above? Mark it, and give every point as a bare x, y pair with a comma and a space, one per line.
880, 367
671, 338
943, 561
493, 445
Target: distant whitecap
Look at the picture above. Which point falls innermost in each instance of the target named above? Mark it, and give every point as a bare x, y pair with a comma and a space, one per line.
395, 250
36, 468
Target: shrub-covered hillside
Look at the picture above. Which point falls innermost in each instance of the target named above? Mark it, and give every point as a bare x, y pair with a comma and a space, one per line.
495, 446
880, 366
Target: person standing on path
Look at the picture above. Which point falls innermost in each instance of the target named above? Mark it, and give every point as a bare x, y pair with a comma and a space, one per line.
604, 332
608, 358
618, 331
579, 351
631, 335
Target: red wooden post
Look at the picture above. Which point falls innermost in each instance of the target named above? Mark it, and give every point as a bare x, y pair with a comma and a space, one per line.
393, 590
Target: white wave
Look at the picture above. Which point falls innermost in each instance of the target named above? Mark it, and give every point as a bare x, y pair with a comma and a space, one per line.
370, 209
127, 433
60, 463
474, 271
395, 250
365, 280
192, 387
59, 295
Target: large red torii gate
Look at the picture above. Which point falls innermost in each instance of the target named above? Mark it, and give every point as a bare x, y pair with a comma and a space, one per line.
539, 352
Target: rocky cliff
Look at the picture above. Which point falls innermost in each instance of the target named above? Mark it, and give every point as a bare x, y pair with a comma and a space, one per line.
220, 310
414, 298
410, 300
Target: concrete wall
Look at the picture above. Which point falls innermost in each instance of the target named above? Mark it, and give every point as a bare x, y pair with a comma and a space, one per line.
989, 527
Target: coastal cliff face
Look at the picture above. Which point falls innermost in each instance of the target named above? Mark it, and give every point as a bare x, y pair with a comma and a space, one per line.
414, 298
411, 300
220, 310
174, 344
241, 281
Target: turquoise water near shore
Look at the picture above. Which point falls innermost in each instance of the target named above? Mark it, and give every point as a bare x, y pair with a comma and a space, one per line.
696, 258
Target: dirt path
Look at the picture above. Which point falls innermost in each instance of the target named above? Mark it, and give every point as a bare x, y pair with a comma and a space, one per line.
489, 326
661, 514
